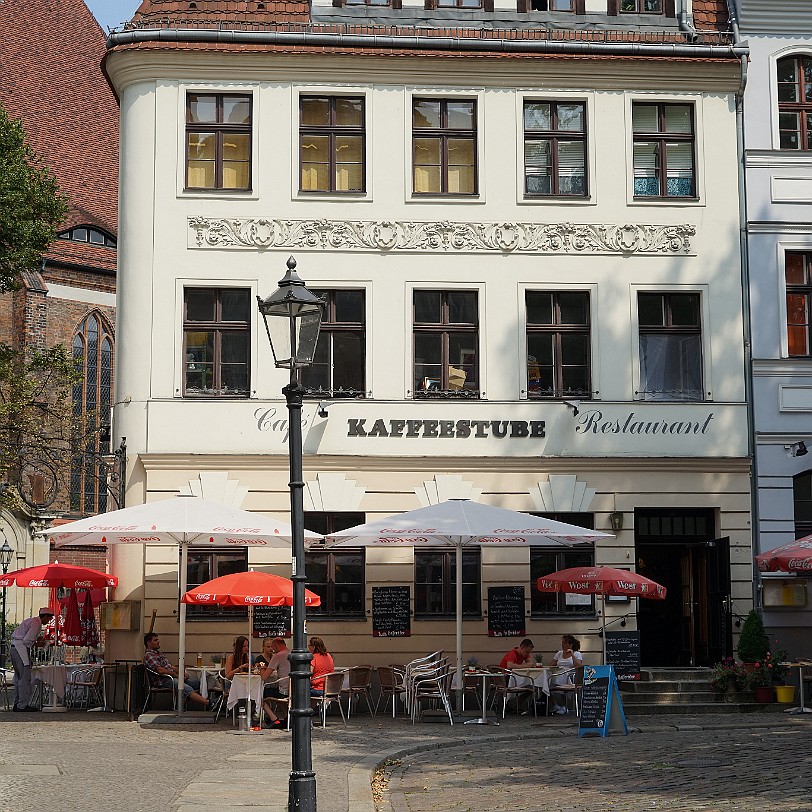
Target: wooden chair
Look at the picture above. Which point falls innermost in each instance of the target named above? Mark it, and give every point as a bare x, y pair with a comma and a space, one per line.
391, 682
502, 687
359, 684
86, 686
154, 686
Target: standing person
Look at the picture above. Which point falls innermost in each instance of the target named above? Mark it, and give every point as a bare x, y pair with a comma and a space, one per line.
567, 657
322, 664
519, 657
22, 638
155, 661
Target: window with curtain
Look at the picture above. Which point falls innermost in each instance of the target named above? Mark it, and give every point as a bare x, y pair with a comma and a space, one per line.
435, 580
802, 502
554, 148
446, 341
444, 133
670, 346
93, 354
218, 141
205, 565
216, 337
642, 6
558, 344
339, 363
331, 144
337, 576
794, 75
798, 278
663, 136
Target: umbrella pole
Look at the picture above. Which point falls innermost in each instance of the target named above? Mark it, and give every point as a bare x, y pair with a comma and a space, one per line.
459, 626
603, 625
184, 558
250, 669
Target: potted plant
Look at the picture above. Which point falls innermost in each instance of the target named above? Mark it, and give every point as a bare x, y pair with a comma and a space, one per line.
760, 680
727, 675
783, 692
754, 645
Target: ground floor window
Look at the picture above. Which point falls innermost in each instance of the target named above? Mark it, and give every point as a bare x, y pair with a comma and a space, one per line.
204, 565
435, 578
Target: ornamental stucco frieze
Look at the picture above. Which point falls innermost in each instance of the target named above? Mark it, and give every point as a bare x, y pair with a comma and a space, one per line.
389, 235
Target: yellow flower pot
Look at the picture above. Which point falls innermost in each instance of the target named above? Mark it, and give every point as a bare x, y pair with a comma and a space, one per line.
785, 694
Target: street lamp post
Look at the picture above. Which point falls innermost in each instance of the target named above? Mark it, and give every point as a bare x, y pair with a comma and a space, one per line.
292, 316
6, 551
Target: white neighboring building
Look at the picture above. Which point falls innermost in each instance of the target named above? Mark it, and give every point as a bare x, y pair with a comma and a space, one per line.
531, 257
778, 160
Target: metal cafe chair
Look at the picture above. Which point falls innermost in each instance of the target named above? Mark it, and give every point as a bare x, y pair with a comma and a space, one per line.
86, 686
568, 684
276, 702
4, 686
506, 689
359, 684
333, 682
434, 689
391, 685
153, 685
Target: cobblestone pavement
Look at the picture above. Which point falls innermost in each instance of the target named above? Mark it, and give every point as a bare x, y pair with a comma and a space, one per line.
73, 761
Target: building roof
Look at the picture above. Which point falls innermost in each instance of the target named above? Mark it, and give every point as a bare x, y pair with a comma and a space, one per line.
50, 77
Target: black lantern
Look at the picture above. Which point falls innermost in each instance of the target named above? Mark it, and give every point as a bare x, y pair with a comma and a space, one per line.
6, 552
292, 317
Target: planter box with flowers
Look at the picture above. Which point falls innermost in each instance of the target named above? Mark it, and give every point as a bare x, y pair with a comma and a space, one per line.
727, 678
764, 676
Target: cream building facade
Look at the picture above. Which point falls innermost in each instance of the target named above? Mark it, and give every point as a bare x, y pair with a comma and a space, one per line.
555, 336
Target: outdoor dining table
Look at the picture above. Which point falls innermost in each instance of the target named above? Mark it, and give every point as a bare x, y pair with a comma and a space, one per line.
208, 675
536, 676
55, 676
483, 676
800, 665
245, 686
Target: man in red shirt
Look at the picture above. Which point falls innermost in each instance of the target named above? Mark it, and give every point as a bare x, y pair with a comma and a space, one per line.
520, 657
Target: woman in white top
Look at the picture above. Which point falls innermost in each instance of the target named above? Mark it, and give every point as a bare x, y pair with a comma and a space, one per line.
567, 657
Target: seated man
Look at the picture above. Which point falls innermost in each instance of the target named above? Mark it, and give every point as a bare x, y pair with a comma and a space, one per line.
155, 661
519, 657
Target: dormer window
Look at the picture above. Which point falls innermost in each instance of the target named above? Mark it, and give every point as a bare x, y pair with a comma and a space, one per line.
88, 234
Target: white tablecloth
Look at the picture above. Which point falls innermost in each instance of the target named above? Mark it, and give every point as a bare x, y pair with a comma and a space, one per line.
208, 676
538, 677
53, 675
240, 690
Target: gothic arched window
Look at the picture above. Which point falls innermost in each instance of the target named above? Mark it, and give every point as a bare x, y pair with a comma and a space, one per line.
92, 396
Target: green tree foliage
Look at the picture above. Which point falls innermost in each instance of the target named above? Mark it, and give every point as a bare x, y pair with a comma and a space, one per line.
754, 645
31, 204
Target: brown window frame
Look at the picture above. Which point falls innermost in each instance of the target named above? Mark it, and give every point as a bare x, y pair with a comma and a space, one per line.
802, 503
330, 329
220, 130
556, 136
640, 7
218, 326
444, 328
558, 330
801, 107
201, 612
332, 131
448, 585
662, 138
444, 133
803, 292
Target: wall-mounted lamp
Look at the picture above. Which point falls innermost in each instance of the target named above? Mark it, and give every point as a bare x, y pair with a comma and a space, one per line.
798, 449
573, 406
616, 520
322, 410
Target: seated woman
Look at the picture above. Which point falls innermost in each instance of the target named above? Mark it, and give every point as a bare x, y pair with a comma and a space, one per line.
567, 657
237, 661
264, 656
322, 664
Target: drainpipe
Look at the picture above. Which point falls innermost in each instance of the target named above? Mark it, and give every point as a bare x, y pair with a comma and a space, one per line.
745, 282
685, 22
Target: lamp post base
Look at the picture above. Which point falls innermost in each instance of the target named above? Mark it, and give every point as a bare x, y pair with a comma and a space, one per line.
302, 791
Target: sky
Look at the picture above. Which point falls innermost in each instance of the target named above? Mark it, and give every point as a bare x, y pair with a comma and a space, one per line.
111, 13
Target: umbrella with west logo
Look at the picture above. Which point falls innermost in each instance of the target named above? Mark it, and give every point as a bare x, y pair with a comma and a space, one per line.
601, 581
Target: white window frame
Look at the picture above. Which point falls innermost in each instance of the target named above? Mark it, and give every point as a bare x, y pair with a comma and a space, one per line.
799, 49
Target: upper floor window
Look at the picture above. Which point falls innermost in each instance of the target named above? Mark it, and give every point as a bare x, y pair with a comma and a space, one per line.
558, 344
446, 340
663, 150
435, 579
331, 144
216, 325
444, 147
802, 501
91, 396
798, 275
336, 576
218, 141
459, 3
205, 565
642, 6
88, 234
670, 346
338, 368
578, 6
795, 102
554, 148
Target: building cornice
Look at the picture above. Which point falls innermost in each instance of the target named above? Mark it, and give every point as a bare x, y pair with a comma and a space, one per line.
444, 236
777, 159
779, 227
784, 367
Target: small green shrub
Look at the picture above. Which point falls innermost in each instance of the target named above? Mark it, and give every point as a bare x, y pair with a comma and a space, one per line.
754, 645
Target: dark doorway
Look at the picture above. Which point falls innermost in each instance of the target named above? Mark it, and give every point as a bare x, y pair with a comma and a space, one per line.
677, 548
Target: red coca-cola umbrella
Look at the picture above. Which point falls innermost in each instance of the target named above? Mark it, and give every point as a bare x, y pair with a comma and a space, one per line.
71, 628
793, 557
247, 589
56, 575
601, 581
52, 630
90, 631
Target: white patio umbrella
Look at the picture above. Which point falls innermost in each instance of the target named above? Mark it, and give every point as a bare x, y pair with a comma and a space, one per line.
462, 523
184, 521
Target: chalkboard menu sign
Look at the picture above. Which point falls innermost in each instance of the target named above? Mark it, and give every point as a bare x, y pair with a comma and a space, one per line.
506, 611
623, 652
390, 611
601, 708
272, 621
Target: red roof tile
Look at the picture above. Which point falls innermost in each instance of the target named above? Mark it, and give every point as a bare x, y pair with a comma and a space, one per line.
50, 77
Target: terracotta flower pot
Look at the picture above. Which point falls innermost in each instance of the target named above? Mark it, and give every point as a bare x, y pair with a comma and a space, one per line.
764, 694
785, 694
749, 667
